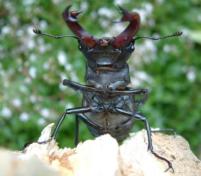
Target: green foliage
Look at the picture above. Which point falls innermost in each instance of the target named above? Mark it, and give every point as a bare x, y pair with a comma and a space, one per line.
32, 67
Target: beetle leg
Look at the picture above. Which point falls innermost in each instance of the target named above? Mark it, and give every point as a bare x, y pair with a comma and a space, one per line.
139, 117
61, 119
88, 122
79, 115
148, 129
79, 112
69, 111
76, 138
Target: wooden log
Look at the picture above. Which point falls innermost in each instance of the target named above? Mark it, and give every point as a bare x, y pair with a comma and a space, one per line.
102, 157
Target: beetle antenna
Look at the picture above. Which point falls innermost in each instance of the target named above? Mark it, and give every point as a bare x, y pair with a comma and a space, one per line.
176, 34
39, 32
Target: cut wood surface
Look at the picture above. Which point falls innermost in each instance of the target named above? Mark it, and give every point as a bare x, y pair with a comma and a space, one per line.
102, 156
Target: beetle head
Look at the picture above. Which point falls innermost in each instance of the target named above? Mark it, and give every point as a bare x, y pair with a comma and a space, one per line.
105, 56
105, 52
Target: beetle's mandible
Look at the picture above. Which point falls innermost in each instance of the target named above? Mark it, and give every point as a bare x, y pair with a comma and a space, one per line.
109, 105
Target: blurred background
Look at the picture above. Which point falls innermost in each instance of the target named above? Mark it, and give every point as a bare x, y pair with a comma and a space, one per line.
33, 67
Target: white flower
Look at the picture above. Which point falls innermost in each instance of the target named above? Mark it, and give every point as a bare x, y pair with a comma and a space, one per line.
2, 72
190, 74
135, 82
30, 44
160, 1
169, 48
24, 117
149, 45
41, 121
16, 102
68, 67
74, 77
143, 76
140, 77
42, 48
199, 17
14, 20
119, 2
62, 76
115, 30
69, 105
6, 30
6, 112
33, 98
27, 80
62, 87
45, 112
104, 23
56, 1
32, 72
105, 12
30, 30
84, 6
43, 24
27, 2
62, 58
185, 32
23, 88
20, 33
32, 57
148, 7
46, 66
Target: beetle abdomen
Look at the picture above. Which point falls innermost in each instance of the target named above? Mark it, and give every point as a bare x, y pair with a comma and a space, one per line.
114, 124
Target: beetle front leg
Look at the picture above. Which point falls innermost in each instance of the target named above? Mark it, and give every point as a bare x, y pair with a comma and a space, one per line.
69, 111
63, 116
139, 117
148, 129
77, 126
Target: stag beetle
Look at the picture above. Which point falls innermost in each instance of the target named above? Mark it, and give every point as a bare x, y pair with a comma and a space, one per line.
109, 105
